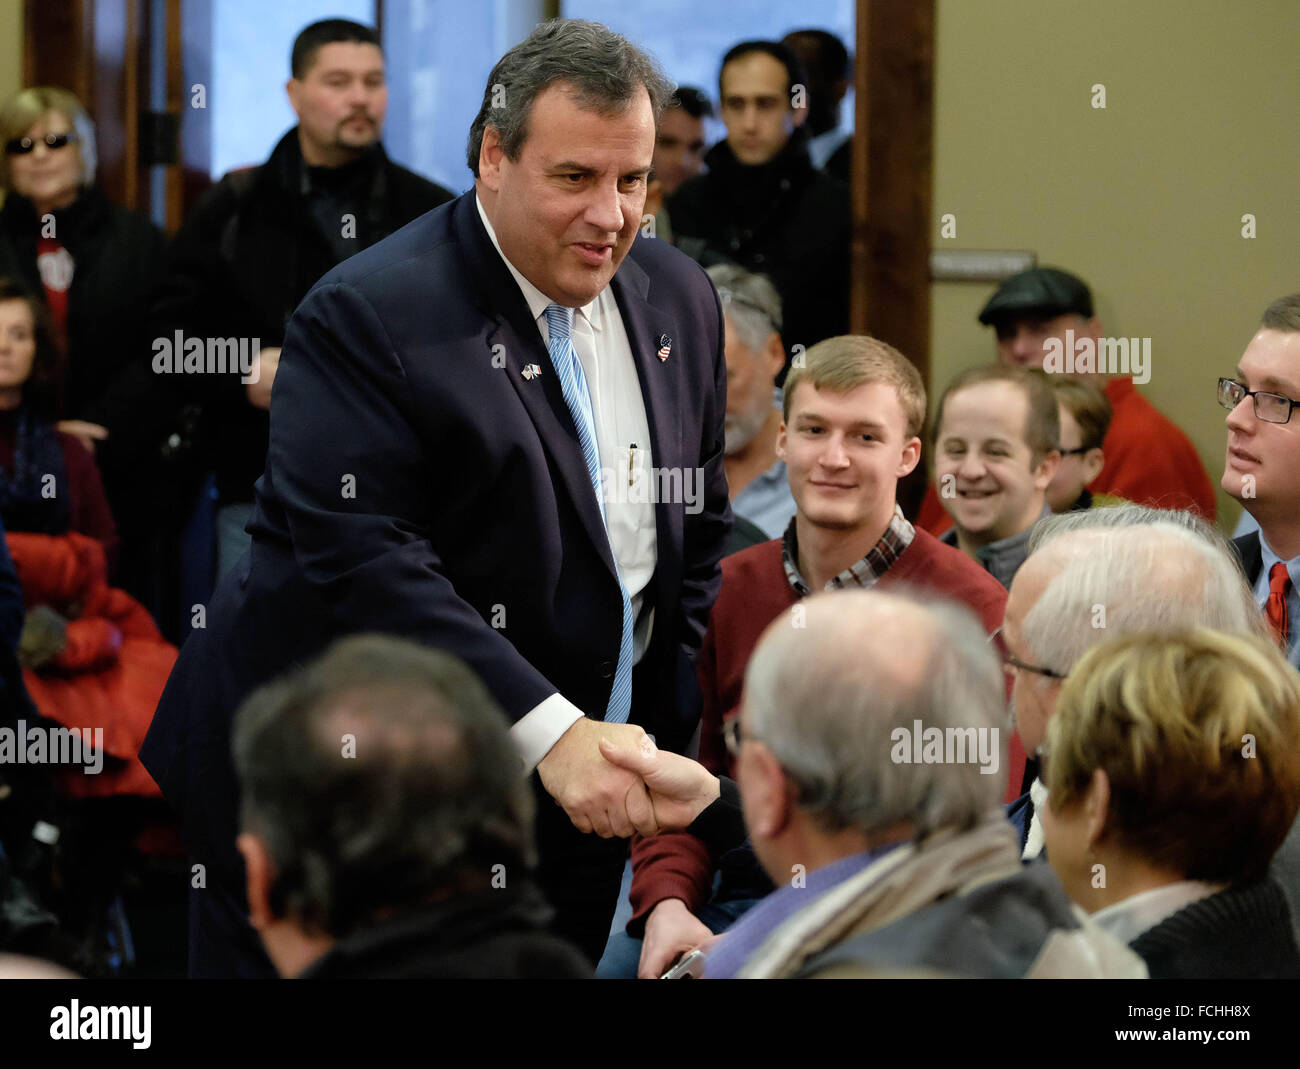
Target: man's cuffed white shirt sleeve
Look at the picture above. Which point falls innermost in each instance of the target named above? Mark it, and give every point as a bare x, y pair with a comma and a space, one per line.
541, 727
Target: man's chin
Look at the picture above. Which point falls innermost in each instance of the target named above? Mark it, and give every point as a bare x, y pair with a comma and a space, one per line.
829, 520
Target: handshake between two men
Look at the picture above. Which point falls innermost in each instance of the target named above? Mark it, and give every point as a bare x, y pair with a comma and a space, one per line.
611, 779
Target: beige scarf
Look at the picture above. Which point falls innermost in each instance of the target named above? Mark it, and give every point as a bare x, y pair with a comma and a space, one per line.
917, 874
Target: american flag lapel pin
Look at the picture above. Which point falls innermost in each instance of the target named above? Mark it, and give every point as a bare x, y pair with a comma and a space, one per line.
665, 347
531, 371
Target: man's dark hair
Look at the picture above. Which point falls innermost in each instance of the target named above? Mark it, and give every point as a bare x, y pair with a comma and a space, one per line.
606, 71
327, 32
829, 59
1283, 315
380, 777
796, 74
692, 101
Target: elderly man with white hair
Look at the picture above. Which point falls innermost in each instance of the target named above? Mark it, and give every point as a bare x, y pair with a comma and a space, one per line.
1098, 575
869, 775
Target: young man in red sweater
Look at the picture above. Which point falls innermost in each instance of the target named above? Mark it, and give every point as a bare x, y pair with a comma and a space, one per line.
852, 418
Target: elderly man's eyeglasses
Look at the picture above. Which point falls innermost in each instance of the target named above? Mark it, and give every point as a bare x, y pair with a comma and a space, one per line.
999, 643
20, 146
732, 737
1270, 407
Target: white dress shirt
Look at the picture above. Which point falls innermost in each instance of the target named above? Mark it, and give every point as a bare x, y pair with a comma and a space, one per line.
1130, 917
623, 441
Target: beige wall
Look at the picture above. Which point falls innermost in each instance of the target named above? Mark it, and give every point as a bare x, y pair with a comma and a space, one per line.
11, 47
1143, 199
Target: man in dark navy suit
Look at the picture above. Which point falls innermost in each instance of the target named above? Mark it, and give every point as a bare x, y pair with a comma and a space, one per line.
498, 432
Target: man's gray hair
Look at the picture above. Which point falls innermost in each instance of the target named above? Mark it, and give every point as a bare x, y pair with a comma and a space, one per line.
827, 692
1142, 577
750, 301
1051, 527
606, 71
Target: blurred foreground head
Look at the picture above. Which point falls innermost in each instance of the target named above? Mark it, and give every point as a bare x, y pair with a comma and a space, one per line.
376, 780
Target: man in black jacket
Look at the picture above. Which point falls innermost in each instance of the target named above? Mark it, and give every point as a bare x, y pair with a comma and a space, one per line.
257, 242
762, 204
387, 831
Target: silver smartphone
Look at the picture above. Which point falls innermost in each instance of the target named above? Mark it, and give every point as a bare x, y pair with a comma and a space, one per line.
690, 967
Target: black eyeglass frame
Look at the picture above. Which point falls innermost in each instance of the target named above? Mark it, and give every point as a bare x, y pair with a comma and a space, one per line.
1227, 387
732, 737
999, 643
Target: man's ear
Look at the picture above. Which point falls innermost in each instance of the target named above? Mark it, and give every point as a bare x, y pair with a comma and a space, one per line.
799, 116
259, 874
769, 795
654, 197
911, 457
1046, 470
292, 87
1093, 461
490, 155
780, 442
774, 354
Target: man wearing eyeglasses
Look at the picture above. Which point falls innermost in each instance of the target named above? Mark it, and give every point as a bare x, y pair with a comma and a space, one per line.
1262, 464
1095, 576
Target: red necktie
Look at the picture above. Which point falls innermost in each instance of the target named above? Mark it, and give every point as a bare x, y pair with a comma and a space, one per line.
1275, 607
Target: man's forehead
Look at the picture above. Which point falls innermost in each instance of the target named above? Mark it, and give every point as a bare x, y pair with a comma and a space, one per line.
564, 128
1006, 417
754, 74
1046, 320
1273, 358
869, 402
345, 57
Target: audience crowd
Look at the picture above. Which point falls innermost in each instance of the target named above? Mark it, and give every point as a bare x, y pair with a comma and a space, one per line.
1048, 726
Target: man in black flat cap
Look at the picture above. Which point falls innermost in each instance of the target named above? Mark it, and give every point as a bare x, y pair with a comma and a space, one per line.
1044, 319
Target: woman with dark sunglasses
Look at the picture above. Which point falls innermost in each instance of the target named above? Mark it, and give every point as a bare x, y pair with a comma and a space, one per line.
93, 266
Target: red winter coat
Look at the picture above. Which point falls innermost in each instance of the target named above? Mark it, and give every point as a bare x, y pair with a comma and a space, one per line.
113, 667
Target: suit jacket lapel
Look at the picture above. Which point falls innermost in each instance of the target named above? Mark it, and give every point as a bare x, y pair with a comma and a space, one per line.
520, 345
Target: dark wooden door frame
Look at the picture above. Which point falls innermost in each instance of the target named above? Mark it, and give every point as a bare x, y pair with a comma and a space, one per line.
893, 157
893, 162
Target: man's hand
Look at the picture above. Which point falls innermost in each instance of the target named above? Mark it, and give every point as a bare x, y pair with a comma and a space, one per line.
680, 789
86, 433
597, 795
259, 392
671, 930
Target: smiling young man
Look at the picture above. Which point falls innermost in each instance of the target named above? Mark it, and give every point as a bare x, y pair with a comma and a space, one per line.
1262, 464
852, 418
1148, 459
996, 435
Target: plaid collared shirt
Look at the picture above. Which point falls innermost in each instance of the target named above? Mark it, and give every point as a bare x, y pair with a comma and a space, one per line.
881, 557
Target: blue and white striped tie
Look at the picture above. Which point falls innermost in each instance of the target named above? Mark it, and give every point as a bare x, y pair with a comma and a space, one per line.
573, 384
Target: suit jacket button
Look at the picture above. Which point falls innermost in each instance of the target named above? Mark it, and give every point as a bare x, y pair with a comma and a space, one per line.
606, 669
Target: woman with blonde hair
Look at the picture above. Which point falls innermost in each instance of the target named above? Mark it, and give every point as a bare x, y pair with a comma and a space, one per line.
93, 266
1173, 775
